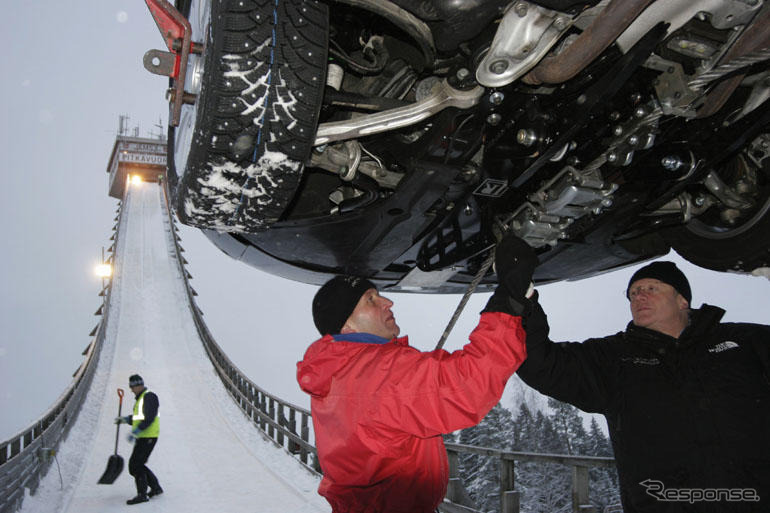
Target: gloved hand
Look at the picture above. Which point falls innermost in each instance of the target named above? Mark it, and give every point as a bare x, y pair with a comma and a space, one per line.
131, 437
515, 262
123, 420
501, 301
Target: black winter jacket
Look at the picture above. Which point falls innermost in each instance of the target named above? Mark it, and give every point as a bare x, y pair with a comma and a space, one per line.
683, 414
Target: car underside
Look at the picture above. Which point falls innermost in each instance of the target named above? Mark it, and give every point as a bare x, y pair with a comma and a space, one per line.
400, 140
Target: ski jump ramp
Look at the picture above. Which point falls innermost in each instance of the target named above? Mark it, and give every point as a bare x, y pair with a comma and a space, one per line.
210, 456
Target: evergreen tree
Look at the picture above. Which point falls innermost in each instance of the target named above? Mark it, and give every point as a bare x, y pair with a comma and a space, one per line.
523, 430
569, 426
598, 444
605, 489
481, 474
552, 482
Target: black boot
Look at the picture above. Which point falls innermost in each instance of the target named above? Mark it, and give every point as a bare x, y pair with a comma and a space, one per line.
155, 488
138, 499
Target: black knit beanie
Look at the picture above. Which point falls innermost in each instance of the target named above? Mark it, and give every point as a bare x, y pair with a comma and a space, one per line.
336, 300
667, 272
135, 380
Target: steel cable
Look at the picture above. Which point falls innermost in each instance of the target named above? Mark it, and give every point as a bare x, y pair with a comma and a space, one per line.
729, 67
471, 288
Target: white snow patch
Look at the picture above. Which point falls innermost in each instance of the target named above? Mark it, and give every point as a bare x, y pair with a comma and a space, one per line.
121, 16
264, 169
286, 103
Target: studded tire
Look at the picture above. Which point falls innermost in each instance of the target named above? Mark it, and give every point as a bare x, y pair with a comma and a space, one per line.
255, 117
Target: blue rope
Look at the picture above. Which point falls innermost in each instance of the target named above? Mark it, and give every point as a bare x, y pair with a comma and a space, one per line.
264, 115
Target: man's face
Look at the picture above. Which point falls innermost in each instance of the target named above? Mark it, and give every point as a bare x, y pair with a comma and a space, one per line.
372, 315
656, 305
136, 388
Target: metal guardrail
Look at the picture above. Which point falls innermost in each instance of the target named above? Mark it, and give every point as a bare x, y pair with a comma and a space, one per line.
287, 425
27, 456
509, 497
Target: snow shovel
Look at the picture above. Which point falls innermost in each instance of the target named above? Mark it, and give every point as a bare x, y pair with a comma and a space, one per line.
115, 463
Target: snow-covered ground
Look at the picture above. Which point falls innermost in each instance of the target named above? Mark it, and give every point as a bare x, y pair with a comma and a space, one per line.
209, 456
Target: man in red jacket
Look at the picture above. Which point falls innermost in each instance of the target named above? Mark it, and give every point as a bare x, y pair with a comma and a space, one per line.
380, 406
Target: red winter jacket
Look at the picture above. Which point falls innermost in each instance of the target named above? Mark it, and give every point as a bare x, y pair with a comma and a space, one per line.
379, 411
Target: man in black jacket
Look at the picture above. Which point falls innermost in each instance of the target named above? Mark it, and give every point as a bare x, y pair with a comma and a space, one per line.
686, 397
145, 428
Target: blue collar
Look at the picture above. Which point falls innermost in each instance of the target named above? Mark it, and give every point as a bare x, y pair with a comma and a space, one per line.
365, 338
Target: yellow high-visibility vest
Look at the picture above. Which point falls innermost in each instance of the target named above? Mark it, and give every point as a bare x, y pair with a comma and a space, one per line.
153, 430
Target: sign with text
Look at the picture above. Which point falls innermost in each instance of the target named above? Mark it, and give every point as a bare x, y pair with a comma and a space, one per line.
142, 153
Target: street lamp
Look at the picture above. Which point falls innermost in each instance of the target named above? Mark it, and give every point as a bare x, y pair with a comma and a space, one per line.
103, 271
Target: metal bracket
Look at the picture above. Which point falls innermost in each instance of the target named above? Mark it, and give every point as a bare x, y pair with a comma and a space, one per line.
161, 63
525, 34
674, 95
176, 32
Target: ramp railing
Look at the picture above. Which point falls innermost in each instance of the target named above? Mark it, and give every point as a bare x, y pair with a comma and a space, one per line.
457, 500
286, 425
27, 456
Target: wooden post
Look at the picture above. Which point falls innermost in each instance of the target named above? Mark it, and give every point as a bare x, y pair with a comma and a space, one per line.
263, 409
305, 435
456, 492
453, 490
270, 428
293, 446
580, 501
509, 500
281, 422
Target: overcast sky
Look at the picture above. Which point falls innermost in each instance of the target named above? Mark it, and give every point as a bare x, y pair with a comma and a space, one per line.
69, 70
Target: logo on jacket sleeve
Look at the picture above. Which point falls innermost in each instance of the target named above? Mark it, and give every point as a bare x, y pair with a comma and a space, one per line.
723, 346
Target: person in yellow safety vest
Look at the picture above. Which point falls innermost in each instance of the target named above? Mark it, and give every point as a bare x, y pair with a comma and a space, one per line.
145, 428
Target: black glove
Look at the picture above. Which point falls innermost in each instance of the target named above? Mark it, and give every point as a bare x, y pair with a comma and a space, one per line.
515, 262
501, 301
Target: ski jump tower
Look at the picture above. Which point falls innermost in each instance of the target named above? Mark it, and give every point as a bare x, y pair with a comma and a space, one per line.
135, 156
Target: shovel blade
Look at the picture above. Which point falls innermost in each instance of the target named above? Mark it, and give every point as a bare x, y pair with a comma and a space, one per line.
114, 468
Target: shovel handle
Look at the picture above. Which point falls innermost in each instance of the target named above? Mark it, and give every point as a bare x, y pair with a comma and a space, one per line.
120, 411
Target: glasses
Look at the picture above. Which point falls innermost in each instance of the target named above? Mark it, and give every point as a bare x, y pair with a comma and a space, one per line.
649, 289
